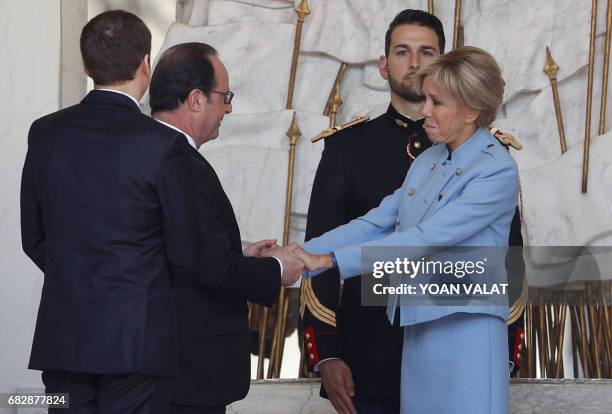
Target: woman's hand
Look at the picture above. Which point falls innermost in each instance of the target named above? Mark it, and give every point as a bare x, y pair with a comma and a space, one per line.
315, 262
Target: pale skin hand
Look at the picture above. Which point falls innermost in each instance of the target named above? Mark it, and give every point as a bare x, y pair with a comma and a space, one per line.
275, 249
315, 262
337, 380
293, 266
257, 249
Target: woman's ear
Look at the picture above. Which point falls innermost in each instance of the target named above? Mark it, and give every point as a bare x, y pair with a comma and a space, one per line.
470, 116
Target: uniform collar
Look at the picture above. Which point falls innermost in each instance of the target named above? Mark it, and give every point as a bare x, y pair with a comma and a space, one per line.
401, 121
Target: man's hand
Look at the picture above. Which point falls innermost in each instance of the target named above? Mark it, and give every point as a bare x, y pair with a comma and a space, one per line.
337, 380
293, 266
257, 249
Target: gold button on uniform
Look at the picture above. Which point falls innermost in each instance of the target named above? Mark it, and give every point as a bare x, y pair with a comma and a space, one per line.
307, 335
309, 345
417, 144
311, 356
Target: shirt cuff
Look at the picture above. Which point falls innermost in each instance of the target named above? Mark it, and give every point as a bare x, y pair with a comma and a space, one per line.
280, 264
317, 367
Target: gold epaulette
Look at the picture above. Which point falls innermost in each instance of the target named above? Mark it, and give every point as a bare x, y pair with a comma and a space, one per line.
308, 299
331, 131
506, 139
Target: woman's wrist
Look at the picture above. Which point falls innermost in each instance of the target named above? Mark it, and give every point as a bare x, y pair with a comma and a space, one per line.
327, 261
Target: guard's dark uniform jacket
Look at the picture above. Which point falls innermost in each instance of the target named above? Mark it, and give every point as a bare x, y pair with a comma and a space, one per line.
359, 166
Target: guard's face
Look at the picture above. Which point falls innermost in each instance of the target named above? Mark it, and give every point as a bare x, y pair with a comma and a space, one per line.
412, 47
216, 108
447, 121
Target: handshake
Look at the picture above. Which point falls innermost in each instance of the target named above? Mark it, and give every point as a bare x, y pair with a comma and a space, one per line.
293, 258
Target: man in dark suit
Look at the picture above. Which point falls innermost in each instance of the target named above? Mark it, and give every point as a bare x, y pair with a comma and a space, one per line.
107, 213
190, 93
358, 168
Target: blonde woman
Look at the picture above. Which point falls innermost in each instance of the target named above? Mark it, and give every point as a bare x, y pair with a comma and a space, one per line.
460, 192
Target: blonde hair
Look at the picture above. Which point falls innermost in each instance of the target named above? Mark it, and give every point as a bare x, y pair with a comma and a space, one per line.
472, 76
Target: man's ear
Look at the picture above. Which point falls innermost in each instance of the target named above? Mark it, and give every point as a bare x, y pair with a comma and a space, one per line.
196, 100
383, 67
145, 66
87, 71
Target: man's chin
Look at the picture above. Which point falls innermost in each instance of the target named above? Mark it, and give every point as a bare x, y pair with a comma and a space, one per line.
411, 96
211, 137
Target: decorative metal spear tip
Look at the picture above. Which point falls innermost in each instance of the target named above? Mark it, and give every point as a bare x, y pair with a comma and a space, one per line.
302, 10
294, 130
335, 90
550, 68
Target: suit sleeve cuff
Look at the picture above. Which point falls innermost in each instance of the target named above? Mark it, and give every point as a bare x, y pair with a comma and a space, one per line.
280, 264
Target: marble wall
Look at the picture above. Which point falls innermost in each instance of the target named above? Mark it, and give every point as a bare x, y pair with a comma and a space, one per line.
29, 86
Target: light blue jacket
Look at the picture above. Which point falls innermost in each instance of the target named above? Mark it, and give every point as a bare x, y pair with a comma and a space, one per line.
468, 200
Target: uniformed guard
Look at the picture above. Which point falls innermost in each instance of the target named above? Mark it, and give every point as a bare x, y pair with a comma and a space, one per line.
360, 165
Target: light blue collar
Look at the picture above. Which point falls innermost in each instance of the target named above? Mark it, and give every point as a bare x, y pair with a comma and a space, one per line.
468, 149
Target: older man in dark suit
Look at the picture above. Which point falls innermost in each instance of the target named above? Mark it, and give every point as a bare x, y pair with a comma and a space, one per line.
107, 213
190, 93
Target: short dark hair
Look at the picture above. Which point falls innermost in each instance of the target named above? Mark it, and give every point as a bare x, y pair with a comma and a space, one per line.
113, 45
418, 18
181, 69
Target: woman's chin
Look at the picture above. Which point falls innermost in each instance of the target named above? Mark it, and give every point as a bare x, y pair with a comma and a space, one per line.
435, 137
